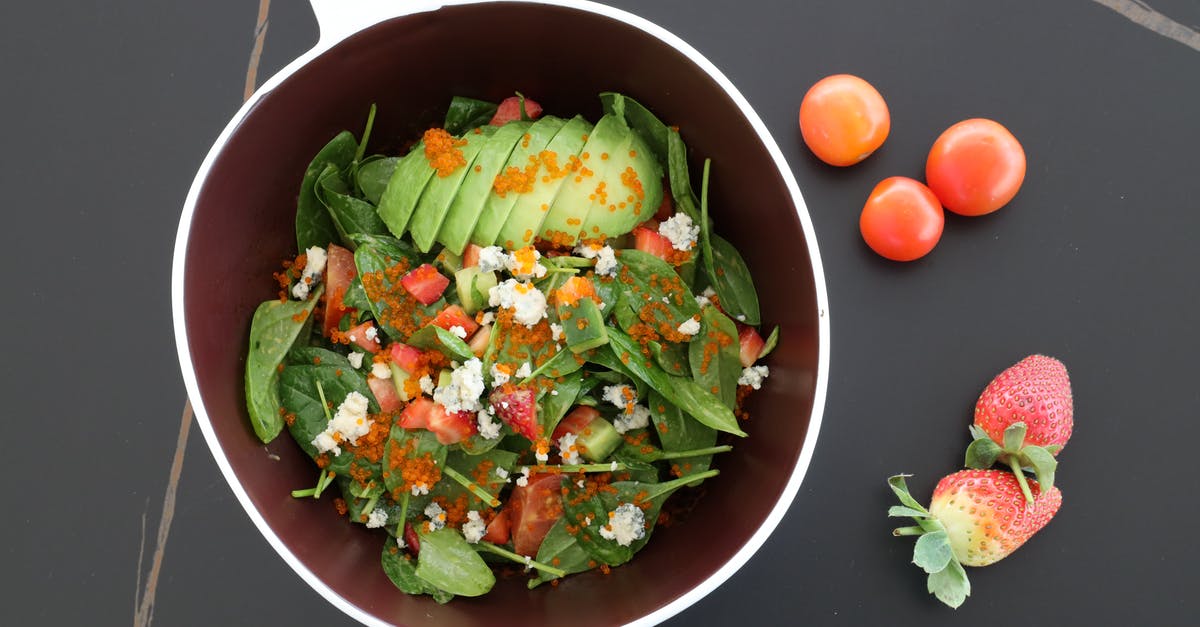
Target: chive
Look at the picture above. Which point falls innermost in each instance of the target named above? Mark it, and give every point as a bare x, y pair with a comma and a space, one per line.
472, 486
692, 453
324, 403
569, 468
549, 570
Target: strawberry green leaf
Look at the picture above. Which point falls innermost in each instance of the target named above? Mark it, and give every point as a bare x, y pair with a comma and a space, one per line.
901, 489
932, 552
1053, 448
1014, 436
976, 432
950, 584
899, 511
982, 453
1042, 462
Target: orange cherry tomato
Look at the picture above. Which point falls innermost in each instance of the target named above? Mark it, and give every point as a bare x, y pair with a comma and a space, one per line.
843, 119
902, 219
975, 167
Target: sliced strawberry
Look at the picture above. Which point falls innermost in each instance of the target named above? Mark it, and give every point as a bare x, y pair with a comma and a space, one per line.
750, 344
517, 407
510, 109
411, 540
425, 283
647, 239
471, 256
576, 421
339, 272
385, 393
535, 509
500, 529
366, 336
416, 414
405, 356
451, 427
454, 316
479, 341
575, 288
667, 208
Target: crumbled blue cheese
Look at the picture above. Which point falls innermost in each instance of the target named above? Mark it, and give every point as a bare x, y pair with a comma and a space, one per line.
567, 449
638, 418
487, 318
680, 230
588, 250
704, 299
502, 472
691, 326
474, 529
349, 423
355, 360
492, 258
606, 262
464, 389
500, 376
381, 371
556, 331
741, 317
458, 331
754, 376
524, 371
625, 524
527, 302
528, 563
372, 334
419, 488
614, 466
313, 268
377, 518
400, 542
436, 515
523, 480
426, 383
620, 395
525, 263
488, 429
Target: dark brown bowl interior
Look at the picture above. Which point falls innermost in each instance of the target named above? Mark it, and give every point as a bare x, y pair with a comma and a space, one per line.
411, 66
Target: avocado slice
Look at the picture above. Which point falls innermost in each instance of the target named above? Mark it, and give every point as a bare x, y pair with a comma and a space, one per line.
440, 191
564, 222
634, 191
531, 209
404, 189
523, 157
473, 192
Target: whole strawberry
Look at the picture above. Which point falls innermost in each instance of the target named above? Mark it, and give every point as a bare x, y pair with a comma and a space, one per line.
976, 518
1023, 419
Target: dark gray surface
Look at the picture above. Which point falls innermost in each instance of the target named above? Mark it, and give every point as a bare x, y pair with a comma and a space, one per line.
110, 109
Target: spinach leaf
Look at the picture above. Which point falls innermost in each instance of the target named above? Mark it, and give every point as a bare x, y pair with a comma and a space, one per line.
623, 356
377, 254
465, 114
576, 507
472, 467
298, 389
558, 401
563, 363
366, 136
413, 443
655, 290
314, 227
679, 432
680, 179
560, 545
350, 215
317, 356
726, 270
447, 562
432, 337
769, 345
273, 331
373, 176
715, 357
399, 567
655, 494
388, 246
639, 118
356, 297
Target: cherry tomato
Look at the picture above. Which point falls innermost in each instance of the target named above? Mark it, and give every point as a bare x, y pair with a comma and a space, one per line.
902, 219
843, 119
975, 167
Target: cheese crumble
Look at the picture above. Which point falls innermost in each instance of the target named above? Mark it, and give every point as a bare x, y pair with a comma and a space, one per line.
754, 376
464, 389
474, 529
377, 518
680, 231
527, 302
313, 268
625, 524
349, 423
691, 326
492, 258
436, 515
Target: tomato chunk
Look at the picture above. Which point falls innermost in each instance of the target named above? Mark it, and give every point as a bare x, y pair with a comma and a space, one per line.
479, 341
454, 316
510, 109
471, 256
500, 529
750, 344
405, 356
647, 239
451, 428
416, 414
576, 421
425, 283
535, 508
366, 336
339, 271
385, 393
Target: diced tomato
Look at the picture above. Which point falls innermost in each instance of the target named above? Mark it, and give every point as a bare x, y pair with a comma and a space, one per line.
667, 208
451, 427
454, 316
471, 256
649, 240
416, 414
425, 283
510, 109
366, 340
479, 342
575, 288
516, 406
499, 530
411, 540
339, 271
576, 421
405, 356
750, 343
385, 392
535, 509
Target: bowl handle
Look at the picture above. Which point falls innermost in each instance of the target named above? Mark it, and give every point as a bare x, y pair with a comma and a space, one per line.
338, 19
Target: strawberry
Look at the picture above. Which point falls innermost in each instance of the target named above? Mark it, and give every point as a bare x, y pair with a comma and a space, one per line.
511, 109
976, 518
516, 406
1023, 419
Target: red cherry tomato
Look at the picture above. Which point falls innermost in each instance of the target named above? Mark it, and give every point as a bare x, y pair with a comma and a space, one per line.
843, 119
902, 219
975, 167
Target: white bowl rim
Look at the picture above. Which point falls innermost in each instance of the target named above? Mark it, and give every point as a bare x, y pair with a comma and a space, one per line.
338, 19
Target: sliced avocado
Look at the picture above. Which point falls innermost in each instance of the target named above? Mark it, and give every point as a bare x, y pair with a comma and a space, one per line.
440, 191
569, 210
473, 286
583, 325
634, 191
525, 158
473, 192
399, 379
404, 190
531, 209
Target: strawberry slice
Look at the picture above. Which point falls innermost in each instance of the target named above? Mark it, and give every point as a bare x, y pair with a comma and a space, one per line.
425, 283
500, 529
451, 428
405, 356
479, 341
385, 393
411, 540
516, 406
365, 336
576, 421
647, 239
510, 109
535, 509
416, 414
339, 272
750, 344
667, 208
454, 316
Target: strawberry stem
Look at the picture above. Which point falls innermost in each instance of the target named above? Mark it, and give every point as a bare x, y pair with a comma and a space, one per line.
915, 530
1016, 468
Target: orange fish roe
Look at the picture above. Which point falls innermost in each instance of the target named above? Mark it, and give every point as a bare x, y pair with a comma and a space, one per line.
401, 310
413, 470
523, 342
443, 151
456, 510
516, 180
630, 179
574, 289
340, 506
526, 259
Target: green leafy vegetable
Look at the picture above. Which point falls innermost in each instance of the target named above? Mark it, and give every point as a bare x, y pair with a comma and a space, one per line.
465, 114
679, 432
432, 337
399, 567
714, 355
727, 271
350, 215
373, 176
314, 227
769, 345
447, 562
273, 331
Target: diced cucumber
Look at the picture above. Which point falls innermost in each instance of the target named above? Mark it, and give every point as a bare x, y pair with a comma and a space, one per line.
598, 440
583, 325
